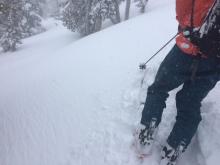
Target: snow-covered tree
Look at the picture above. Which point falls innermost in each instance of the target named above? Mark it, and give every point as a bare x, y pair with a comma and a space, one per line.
86, 16
142, 5
110, 9
31, 21
10, 21
18, 19
127, 9
55, 7
42, 7
74, 15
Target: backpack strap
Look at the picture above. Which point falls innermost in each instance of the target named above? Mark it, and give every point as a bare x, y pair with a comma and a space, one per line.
192, 15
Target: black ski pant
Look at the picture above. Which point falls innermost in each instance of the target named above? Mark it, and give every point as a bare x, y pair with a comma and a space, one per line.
176, 70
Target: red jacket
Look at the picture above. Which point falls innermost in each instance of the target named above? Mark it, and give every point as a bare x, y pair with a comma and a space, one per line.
184, 15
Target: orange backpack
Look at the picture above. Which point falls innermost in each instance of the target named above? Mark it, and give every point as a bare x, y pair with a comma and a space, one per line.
191, 14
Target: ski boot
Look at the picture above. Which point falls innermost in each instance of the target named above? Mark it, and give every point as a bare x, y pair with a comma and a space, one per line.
146, 136
170, 156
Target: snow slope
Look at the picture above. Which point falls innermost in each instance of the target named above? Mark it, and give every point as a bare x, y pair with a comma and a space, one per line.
71, 101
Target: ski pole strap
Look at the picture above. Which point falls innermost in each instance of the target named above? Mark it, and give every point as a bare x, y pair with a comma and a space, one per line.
192, 16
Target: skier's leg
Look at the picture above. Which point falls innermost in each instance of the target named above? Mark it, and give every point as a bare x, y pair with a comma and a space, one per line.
171, 74
188, 101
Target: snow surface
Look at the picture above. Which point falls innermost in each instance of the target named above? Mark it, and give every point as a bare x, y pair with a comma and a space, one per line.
71, 101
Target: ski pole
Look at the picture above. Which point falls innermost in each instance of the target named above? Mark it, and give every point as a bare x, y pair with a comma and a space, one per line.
143, 65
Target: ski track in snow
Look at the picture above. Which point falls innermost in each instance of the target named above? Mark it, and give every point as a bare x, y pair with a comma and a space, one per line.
60, 105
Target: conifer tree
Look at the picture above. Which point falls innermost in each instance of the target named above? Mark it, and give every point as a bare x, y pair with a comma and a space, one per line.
86, 16
18, 19
10, 22
31, 24
142, 5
